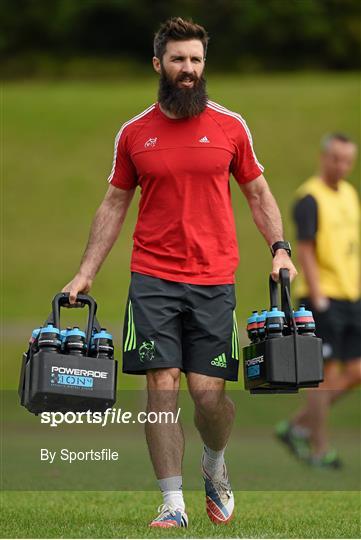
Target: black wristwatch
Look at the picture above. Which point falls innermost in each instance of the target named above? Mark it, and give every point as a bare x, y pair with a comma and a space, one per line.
282, 244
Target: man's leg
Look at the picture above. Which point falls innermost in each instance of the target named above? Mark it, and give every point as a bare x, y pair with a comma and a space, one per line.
214, 410
313, 416
166, 446
349, 378
214, 416
165, 441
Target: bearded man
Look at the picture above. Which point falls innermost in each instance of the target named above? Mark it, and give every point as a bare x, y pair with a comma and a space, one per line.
180, 313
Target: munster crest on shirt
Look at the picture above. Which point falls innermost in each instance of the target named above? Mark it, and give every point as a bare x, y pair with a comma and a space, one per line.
150, 143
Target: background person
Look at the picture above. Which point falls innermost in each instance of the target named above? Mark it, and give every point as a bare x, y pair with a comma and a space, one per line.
327, 218
180, 311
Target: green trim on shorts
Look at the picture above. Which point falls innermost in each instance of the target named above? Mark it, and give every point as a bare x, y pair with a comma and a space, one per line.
131, 340
235, 342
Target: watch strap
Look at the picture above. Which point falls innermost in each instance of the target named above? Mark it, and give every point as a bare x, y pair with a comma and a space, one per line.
282, 244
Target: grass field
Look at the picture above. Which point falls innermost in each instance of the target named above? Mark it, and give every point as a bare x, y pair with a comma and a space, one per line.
125, 515
58, 152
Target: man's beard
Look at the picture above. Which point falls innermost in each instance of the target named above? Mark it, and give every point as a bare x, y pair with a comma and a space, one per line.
182, 102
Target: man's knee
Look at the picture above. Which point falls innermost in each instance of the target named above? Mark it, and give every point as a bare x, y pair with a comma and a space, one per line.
163, 379
209, 403
208, 394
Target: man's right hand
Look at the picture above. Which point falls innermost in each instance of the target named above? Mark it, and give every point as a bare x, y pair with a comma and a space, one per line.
79, 284
320, 303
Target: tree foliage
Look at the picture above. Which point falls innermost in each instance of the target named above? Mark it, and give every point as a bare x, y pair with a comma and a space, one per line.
245, 34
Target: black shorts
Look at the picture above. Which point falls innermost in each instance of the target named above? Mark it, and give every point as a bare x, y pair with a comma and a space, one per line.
178, 325
340, 329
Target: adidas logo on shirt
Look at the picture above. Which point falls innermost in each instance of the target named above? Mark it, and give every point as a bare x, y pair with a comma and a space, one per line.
220, 361
204, 140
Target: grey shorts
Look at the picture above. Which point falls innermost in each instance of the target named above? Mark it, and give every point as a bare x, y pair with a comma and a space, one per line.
179, 325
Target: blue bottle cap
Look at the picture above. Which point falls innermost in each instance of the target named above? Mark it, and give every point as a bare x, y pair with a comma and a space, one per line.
75, 332
262, 316
50, 328
103, 334
303, 312
274, 312
253, 317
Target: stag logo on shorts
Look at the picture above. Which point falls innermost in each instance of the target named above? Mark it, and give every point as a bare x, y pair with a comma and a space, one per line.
147, 351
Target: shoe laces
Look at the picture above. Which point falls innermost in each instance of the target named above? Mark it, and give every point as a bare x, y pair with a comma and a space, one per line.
221, 484
166, 509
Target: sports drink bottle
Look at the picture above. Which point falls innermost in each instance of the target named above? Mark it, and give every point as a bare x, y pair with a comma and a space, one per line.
252, 329
34, 335
261, 325
102, 345
49, 339
304, 321
74, 342
33, 345
63, 335
275, 321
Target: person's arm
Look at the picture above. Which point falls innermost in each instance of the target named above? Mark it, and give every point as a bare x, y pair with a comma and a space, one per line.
307, 257
306, 221
267, 218
104, 231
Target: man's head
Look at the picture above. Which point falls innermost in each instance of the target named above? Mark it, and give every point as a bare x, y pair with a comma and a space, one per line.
338, 154
179, 56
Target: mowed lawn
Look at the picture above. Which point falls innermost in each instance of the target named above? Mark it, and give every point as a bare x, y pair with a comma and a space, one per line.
57, 155
126, 514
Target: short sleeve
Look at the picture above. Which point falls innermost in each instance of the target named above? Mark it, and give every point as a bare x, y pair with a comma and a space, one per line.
305, 217
123, 174
245, 165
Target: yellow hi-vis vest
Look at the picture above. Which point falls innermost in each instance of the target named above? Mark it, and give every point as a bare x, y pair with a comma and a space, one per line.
337, 239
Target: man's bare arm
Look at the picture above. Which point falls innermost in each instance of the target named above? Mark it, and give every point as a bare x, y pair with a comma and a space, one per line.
104, 231
267, 218
307, 258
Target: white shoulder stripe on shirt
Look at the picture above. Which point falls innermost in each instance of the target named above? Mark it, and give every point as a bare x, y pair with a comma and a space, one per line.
117, 138
223, 110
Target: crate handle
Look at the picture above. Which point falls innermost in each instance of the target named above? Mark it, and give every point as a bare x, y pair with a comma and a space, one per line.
62, 300
284, 282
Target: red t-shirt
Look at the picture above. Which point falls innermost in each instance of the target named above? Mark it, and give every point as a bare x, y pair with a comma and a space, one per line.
185, 230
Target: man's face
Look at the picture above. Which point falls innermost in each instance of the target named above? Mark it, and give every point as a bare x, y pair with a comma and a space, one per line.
182, 86
183, 62
338, 159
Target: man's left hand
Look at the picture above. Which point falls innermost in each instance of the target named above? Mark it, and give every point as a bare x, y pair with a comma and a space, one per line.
282, 260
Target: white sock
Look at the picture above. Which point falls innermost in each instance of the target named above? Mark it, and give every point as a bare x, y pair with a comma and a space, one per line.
213, 461
171, 489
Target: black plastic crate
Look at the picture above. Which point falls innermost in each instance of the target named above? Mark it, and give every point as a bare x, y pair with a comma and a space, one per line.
283, 364
51, 381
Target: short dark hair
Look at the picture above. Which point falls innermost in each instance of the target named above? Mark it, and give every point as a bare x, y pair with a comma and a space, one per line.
178, 29
337, 136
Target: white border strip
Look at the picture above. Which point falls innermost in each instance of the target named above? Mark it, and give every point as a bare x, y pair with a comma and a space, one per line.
223, 110
117, 138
